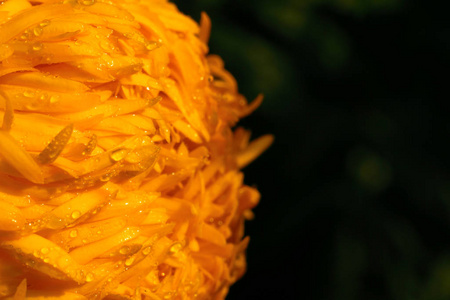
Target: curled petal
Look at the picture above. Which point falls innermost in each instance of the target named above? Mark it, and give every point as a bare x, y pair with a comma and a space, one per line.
56, 146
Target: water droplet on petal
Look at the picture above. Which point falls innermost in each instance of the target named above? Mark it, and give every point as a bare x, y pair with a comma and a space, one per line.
129, 261
44, 23
89, 277
86, 2
168, 296
73, 234
28, 94
151, 46
76, 214
175, 248
54, 99
37, 31
118, 154
91, 145
37, 46
24, 36
124, 250
146, 250
106, 177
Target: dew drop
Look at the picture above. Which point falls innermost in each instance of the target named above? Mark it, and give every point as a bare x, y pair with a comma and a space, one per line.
37, 31
44, 23
45, 250
89, 277
129, 261
175, 248
87, 2
118, 154
106, 177
146, 250
76, 214
46, 260
28, 94
54, 99
37, 46
124, 250
73, 234
151, 46
23, 36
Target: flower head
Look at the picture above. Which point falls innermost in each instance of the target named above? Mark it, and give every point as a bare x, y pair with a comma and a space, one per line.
119, 169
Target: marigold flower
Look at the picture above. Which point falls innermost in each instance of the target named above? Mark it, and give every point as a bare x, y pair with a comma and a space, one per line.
119, 169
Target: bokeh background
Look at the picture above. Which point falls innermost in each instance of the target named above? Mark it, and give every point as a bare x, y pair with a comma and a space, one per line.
356, 188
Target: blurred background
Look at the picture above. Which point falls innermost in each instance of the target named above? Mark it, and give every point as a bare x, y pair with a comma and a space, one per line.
356, 189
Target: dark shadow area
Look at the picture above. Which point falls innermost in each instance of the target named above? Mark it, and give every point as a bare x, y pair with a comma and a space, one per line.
356, 189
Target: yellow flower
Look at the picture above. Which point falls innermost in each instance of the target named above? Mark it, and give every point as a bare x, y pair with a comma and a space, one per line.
119, 169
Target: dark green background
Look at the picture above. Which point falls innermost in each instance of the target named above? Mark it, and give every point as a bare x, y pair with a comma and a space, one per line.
356, 188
